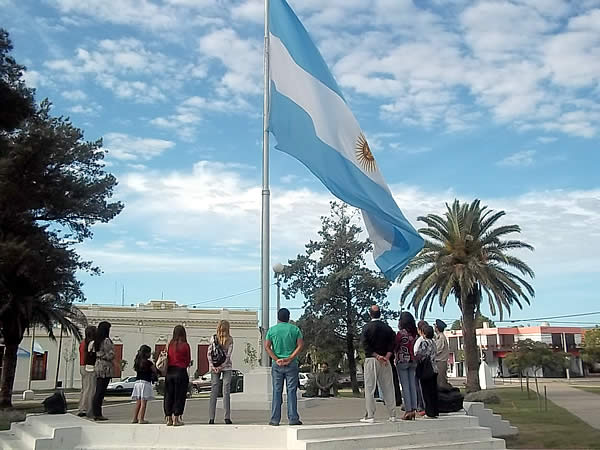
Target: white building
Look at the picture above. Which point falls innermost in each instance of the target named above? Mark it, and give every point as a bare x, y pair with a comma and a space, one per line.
151, 324
496, 343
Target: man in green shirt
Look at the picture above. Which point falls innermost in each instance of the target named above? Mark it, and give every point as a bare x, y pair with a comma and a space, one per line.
283, 343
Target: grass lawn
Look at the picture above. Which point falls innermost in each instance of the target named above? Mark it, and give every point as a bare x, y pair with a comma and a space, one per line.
592, 389
556, 428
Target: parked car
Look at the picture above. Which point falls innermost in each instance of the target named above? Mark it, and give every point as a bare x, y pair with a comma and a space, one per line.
202, 383
124, 386
345, 382
304, 377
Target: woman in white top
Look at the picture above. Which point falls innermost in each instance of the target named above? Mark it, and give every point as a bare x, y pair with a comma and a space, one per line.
219, 362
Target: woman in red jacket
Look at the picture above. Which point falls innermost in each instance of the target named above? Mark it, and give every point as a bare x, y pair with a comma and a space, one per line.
177, 380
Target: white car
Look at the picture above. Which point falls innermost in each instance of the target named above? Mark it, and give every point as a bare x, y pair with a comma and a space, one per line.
123, 386
303, 380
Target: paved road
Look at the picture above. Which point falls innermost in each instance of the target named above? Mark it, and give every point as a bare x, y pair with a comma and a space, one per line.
585, 405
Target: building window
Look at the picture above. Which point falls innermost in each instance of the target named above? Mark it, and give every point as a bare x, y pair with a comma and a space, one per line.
557, 340
570, 338
507, 340
38, 366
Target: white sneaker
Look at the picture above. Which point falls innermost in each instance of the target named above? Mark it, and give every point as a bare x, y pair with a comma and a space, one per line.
393, 419
368, 420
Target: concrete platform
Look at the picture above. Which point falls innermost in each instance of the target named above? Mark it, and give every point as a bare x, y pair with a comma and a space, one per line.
67, 432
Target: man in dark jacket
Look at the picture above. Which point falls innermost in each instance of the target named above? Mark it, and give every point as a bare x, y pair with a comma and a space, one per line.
378, 342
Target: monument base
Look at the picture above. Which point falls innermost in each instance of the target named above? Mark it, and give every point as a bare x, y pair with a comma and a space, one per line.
258, 393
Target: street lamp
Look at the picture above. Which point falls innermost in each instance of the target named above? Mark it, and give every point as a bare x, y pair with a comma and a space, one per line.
278, 269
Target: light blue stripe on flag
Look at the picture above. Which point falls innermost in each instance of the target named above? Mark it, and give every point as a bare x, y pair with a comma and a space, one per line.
312, 122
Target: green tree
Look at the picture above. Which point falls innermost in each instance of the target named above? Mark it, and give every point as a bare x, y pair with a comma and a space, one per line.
479, 320
53, 188
16, 99
590, 347
338, 286
320, 343
535, 356
464, 255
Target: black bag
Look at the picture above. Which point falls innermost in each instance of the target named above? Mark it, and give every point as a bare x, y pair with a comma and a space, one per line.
450, 400
55, 404
425, 369
217, 353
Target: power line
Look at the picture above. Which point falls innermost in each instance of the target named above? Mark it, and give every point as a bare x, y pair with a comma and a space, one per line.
227, 296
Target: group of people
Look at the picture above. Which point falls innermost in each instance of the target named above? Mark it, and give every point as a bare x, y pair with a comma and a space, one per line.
419, 356
97, 359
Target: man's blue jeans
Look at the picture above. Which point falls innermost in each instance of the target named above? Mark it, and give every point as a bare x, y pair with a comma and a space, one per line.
288, 373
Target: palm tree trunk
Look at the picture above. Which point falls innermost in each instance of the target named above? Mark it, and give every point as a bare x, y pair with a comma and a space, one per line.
9, 368
470, 342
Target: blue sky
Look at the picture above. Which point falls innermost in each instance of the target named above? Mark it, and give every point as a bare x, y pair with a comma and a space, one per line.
498, 100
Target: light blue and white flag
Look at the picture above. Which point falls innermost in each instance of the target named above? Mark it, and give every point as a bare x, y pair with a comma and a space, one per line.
312, 122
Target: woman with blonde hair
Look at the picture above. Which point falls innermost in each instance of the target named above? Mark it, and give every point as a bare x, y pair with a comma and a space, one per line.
219, 362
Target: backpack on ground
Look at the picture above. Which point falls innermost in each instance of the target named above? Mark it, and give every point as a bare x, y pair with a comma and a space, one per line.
217, 353
56, 403
450, 400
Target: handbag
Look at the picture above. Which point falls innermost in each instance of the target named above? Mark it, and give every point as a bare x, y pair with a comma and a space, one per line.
425, 369
163, 361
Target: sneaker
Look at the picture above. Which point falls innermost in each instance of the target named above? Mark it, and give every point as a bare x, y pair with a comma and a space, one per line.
368, 420
297, 422
134, 421
211, 422
392, 419
100, 419
81, 414
228, 421
274, 424
429, 417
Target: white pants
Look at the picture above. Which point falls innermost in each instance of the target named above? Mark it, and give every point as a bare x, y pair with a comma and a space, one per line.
88, 389
376, 373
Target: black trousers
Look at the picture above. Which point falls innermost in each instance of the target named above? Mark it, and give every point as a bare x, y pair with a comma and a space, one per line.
176, 389
101, 385
430, 396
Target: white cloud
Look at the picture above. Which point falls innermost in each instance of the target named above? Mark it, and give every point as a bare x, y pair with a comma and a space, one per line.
242, 59
34, 79
129, 148
124, 66
216, 198
89, 109
547, 139
188, 114
74, 95
519, 159
129, 12
249, 10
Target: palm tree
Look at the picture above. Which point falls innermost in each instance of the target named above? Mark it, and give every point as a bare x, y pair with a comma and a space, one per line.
464, 255
38, 285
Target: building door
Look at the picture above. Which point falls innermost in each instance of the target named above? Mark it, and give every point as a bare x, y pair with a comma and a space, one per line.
202, 359
117, 360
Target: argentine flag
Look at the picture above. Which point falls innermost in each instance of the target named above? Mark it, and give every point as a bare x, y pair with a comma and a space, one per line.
312, 122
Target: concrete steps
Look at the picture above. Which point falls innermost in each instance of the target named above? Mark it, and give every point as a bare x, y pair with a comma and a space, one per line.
68, 432
487, 418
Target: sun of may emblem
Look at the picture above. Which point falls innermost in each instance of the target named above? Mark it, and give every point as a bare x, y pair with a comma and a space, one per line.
364, 155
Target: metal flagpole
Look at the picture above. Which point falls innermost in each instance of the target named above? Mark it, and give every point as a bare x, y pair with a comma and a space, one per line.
265, 226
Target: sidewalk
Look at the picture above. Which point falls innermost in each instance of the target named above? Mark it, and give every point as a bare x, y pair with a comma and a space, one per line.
584, 405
